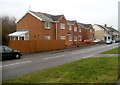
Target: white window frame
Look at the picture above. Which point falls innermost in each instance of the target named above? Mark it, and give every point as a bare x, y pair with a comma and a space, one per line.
75, 29
70, 27
47, 37
75, 37
62, 37
80, 38
62, 26
47, 25
90, 30
70, 38
80, 30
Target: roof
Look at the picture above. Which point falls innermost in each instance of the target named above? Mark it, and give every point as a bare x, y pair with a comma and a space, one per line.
102, 27
71, 22
84, 25
47, 17
18, 33
112, 29
107, 28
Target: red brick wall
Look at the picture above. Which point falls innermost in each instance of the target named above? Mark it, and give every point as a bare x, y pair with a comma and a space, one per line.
70, 31
36, 27
62, 32
86, 35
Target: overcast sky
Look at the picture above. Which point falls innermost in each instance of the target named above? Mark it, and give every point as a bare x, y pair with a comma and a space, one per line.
84, 11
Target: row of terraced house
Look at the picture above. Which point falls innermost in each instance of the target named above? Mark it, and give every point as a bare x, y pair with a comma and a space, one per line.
42, 26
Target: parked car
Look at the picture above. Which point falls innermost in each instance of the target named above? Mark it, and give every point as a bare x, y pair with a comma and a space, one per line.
109, 42
97, 41
117, 41
87, 41
8, 53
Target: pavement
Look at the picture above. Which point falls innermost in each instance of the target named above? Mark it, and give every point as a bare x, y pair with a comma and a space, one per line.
58, 51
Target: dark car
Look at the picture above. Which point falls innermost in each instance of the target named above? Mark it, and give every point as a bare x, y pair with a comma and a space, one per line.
8, 53
117, 41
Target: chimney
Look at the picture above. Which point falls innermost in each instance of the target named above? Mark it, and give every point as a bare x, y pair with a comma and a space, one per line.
105, 25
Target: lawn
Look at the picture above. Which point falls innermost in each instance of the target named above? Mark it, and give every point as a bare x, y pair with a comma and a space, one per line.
89, 70
113, 51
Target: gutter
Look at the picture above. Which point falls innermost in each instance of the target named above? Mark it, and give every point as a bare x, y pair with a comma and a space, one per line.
56, 31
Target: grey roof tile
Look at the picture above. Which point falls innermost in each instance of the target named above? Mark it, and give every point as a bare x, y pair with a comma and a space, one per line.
71, 22
84, 25
47, 17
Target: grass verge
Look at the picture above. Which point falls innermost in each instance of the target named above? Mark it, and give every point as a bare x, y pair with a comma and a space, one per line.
113, 51
89, 70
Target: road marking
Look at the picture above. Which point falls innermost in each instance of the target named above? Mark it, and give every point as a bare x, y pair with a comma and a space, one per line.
76, 53
16, 63
54, 57
11, 64
26, 62
48, 58
59, 56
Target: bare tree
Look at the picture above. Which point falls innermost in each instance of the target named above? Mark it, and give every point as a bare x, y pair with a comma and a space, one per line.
8, 26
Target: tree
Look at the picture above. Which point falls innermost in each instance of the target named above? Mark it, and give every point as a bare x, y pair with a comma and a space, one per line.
8, 26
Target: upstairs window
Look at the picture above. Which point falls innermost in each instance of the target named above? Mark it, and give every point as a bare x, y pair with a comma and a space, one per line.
47, 25
47, 37
70, 27
62, 26
75, 29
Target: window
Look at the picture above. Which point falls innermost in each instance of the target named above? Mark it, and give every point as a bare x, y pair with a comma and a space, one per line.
75, 28
80, 38
80, 30
90, 30
13, 38
75, 38
47, 25
70, 38
62, 26
47, 37
21, 38
7, 49
70, 27
62, 37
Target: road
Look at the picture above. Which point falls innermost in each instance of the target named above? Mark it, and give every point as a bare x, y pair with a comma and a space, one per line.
39, 61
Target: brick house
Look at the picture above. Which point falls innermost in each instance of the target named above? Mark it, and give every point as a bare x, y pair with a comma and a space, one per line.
74, 35
37, 26
42, 26
87, 31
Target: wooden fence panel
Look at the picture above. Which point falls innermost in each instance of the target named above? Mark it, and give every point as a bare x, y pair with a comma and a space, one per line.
30, 46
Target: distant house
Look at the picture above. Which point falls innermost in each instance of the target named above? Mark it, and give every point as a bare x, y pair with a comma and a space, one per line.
105, 33
87, 31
